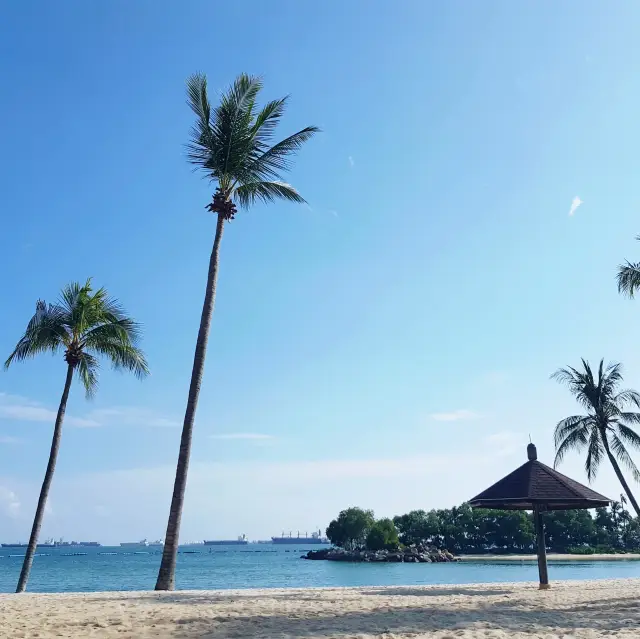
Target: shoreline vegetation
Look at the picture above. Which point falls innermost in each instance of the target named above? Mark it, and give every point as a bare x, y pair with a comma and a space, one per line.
484, 535
577, 609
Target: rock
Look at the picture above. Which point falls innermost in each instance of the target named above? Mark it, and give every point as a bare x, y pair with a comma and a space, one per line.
415, 553
317, 554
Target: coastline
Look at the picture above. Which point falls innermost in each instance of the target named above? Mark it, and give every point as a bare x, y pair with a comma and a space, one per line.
579, 609
550, 557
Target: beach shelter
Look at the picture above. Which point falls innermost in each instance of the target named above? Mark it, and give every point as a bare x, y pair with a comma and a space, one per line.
534, 486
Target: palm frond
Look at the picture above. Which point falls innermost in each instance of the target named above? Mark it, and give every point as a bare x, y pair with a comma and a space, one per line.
202, 145
230, 142
580, 385
123, 356
619, 450
568, 425
575, 440
268, 119
628, 278
628, 435
627, 396
88, 367
249, 193
45, 332
197, 97
125, 329
86, 324
277, 160
611, 379
595, 454
232, 123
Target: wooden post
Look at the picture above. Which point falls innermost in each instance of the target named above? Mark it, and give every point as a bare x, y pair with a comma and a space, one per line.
542, 549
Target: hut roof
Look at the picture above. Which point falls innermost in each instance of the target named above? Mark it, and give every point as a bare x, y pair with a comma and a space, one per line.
534, 483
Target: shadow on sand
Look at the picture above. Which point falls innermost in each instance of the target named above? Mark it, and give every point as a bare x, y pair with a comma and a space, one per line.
510, 613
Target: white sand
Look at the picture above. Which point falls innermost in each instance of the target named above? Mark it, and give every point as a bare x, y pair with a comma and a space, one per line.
570, 610
551, 557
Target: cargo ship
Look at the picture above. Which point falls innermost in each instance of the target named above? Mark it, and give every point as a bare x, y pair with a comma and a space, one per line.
143, 543
47, 543
76, 544
240, 541
315, 538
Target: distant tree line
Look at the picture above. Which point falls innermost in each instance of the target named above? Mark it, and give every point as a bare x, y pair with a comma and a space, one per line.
463, 530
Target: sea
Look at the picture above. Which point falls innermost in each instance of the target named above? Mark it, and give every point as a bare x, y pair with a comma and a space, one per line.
266, 566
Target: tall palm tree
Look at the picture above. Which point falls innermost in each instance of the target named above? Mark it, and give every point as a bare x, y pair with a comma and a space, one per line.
629, 277
232, 144
86, 326
607, 428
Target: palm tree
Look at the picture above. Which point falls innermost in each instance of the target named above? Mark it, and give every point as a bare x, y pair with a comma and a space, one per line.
86, 325
629, 277
232, 144
606, 429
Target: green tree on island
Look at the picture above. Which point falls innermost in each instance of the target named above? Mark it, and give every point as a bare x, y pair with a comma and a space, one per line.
86, 326
383, 535
351, 528
480, 531
232, 145
606, 430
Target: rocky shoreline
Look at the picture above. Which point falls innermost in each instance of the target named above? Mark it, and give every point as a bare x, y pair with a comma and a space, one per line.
419, 553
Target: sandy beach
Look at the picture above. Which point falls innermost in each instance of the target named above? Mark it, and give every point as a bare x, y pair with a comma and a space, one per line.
550, 557
572, 609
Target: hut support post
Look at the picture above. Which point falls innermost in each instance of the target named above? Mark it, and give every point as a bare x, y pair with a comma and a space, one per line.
542, 549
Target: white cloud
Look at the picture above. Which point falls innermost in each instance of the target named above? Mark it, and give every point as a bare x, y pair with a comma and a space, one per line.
352, 162
505, 442
334, 213
132, 416
261, 498
455, 415
9, 503
8, 439
22, 409
250, 436
575, 203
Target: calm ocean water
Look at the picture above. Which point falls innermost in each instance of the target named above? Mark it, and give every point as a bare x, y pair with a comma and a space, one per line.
266, 566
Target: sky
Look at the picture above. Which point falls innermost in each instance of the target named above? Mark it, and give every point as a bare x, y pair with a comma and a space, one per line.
389, 345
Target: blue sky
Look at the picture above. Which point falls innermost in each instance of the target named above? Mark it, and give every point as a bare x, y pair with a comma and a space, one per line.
388, 346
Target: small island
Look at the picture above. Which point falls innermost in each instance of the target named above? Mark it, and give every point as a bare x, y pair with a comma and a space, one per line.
465, 534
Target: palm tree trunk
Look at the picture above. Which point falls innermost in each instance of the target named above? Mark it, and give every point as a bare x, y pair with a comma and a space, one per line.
46, 485
622, 480
167, 572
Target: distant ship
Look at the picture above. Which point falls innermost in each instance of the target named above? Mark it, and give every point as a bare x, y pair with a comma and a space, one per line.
143, 543
315, 538
76, 544
240, 541
47, 543
158, 543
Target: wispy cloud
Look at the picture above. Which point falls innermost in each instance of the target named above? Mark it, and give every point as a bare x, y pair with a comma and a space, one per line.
132, 416
8, 439
9, 502
22, 409
352, 162
334, 213
575, 203
505, 442
454, 415
249, 436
